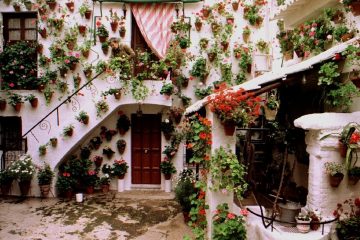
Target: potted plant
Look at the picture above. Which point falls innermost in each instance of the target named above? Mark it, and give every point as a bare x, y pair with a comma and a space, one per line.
114, 20
65, 185
107, 133
23, 170
206, 11
105, 47
116, 92
68, 130
349, 219
6, 179
198, 24
184, 188
353, 6
123, 123
45, 176
98, 161
199, 69
167, 128
342, 33
96, 142
101, 107
353, 175
336, 173
108, 152
167, 168
70, 5
235, 108
2, 104
51, 4
176, 113
85, 152
271, 107
15, 100
203, 43
42, 149
102, 33
167, 89
53, 141
235, 4
104, 183
83, 117
85, 10
32, 99
303, 223
119, 168
90, 180
85, 48
121, 145
122, 30
16, 5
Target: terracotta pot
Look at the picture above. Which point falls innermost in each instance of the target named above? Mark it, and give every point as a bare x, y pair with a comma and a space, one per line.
167, 176
70, 6
88, 14
198, 26
225, 45
44, 190
314, 225
105, 188
52, 5
299, 53
40, 48
5, 188
90, 189
121, 149
229, 128
42, 11
246, 37
122, 131
2, 105
167, 136
34, 102
70, 45
122, 33
98, 162
346, 37
41, 87
258, 22
53, 142
63, 72
43, 33
73, 66
17, 107
117, 95
352, 180
211, 56
336, 179
70, 132
69, 194
235, 5
114, 26
85, 53
121, 176
109, 155
85, 120
186, 217
102, 39
206, 13
88, 74
355, 8
82, 29
24, 187
270, 114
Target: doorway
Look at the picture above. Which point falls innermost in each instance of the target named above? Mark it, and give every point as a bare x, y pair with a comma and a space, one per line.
146, 149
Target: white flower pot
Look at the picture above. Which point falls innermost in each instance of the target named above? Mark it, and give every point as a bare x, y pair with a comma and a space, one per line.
121, 185
79, 197
167, 186
303, 228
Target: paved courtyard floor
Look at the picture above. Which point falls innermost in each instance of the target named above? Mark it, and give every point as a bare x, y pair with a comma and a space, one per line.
140, 215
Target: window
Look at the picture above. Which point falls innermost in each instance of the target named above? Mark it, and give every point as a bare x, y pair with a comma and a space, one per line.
20, 35
20, 27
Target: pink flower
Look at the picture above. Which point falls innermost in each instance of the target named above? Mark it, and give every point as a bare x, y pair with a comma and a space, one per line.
67, 61
244, 212
311, 34
22, 67
77, 55
11, 85
11, 72
231, 216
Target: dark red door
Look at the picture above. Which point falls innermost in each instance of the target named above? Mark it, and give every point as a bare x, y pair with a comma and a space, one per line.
146, 149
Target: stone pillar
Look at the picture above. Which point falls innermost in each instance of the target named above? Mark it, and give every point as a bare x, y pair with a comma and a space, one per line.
321, 195
215, 198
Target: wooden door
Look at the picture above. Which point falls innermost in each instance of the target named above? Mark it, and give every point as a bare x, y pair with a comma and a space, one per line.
146, 149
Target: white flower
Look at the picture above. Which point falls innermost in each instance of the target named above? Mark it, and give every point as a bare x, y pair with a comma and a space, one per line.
313, 29
106, 175
200, 84
167, 120
329, 37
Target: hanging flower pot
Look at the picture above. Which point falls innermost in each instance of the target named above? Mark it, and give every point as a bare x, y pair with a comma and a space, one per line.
114, 26
53, 142
167, 176
211, 56
17, 7
40, 48
43, 33
105, 188
63, 71
117, 95
82, 29
24, 187
88, 14
17, 107
52, 5
336, 179
229, 128
34, 102
98, 161
225, 45
121, 145
70, 45
2, 105
206, 12
122, 32
102, 39
198, 26
246, 37
235, 5
85, 53
70, 6
355, 8
121, 176
270, 114
352, 180
73, 66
